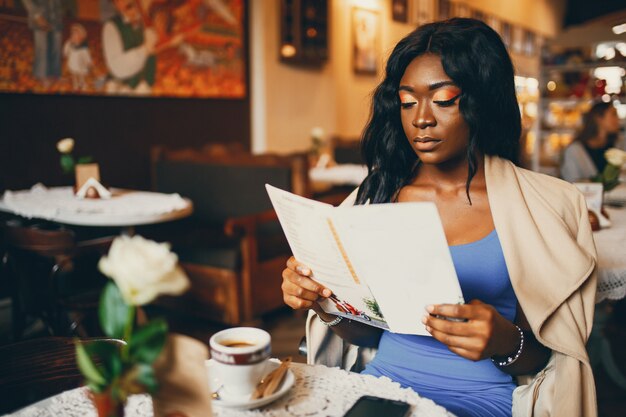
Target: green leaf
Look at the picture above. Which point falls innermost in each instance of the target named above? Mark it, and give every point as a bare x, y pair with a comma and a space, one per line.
114, 312
67, 163
87, 367
109, 355
147, 342
146, 377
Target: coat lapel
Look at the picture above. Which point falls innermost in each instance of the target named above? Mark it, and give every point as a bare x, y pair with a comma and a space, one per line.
545, 261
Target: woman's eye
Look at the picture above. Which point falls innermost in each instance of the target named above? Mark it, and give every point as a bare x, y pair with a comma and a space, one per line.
446, 97
408, 104
446, 103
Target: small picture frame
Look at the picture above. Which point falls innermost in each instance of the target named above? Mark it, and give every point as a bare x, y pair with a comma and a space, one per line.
365, 38
400, 11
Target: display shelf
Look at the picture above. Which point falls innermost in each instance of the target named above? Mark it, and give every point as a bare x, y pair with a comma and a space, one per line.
582, 66
573, 101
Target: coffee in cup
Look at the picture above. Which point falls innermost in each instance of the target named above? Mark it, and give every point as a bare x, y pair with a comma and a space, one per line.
240, 358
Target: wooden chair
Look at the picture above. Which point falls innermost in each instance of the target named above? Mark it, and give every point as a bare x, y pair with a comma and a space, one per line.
232, 248
32, 370
43, 265
346, 150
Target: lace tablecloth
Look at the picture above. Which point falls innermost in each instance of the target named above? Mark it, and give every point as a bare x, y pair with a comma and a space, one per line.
124, 208
611, 246
318, 391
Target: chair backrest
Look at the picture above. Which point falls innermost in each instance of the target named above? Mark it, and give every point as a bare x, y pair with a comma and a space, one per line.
227, 184
38, 368
38, 238
347, 151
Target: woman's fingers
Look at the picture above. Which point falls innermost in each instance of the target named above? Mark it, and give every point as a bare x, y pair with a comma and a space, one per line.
298, 267
297, 303
290, 288
299, 290
455, 328
474, 310
305, 282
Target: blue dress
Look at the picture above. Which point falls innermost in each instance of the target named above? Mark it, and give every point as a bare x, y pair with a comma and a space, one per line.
464, 387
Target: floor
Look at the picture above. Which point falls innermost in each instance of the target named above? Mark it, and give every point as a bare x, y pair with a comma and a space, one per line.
287, 330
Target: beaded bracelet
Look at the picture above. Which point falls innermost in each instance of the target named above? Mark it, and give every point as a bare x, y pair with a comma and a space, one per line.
331, 323
513, 357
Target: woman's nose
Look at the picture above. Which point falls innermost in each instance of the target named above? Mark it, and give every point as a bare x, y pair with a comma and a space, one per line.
424, 116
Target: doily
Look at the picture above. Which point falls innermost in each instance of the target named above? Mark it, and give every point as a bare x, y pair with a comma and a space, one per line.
319, 391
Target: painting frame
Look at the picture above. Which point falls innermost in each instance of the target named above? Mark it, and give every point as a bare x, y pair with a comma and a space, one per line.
365, 34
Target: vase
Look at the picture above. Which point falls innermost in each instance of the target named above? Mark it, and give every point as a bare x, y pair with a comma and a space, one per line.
106, 405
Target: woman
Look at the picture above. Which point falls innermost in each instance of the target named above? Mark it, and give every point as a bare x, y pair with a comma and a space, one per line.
445, 127
584, 157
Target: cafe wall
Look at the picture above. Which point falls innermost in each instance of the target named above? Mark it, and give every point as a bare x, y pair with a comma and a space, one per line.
293, 100
117, 132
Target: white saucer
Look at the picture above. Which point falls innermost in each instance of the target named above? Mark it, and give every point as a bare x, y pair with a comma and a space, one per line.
245, 403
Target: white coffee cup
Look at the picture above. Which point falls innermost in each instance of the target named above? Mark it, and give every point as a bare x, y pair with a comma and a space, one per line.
240, 356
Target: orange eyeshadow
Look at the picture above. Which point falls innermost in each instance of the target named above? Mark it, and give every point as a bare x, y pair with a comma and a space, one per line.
406, 98
446, 94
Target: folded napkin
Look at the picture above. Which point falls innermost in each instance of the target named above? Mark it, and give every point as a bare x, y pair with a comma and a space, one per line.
93, 183
182, 377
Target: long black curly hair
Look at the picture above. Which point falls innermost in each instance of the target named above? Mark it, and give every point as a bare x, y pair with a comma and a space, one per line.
475, 58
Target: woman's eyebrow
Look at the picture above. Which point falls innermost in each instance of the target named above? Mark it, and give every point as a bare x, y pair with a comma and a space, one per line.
431, 87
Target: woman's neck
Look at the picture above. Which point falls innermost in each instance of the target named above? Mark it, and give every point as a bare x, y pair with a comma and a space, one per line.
597, 142
450, 174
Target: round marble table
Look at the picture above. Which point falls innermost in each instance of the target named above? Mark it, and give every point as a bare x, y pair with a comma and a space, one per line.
318, 391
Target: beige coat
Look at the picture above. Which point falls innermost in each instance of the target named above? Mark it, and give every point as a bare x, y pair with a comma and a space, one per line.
548, 246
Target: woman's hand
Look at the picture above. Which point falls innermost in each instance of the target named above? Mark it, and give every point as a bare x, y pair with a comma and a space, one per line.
479, 331
299, 291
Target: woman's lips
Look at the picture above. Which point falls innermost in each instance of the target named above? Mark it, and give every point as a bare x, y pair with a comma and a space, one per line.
426, 143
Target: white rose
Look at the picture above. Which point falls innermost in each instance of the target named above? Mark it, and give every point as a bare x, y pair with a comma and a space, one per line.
317, 132
615, 156
143, 269
65, 145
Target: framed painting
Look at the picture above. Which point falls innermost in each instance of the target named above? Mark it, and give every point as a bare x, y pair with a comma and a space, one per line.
365, 37
171, 48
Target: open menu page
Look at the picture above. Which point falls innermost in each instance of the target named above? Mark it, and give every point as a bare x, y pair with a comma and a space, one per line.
384, 263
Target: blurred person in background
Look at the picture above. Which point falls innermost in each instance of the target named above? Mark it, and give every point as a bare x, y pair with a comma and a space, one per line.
584, 157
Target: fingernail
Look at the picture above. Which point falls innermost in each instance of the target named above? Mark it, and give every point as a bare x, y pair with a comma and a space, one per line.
424, 320
429, 329
430, 308
326, 292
